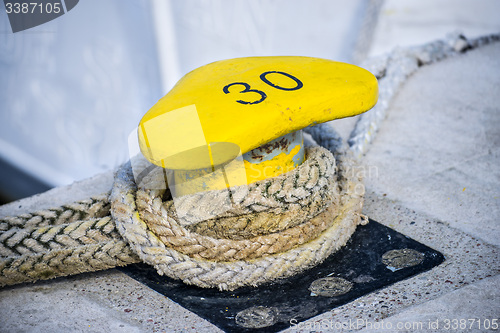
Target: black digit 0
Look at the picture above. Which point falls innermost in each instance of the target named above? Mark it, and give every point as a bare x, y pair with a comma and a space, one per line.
298, 86
263, 95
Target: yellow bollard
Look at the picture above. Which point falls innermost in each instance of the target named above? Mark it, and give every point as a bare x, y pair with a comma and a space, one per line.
212, 128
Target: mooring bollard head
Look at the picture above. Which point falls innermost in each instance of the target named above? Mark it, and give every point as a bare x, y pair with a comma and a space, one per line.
224, 110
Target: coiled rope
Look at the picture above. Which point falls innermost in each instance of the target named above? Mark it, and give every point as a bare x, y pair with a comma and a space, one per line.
239, 263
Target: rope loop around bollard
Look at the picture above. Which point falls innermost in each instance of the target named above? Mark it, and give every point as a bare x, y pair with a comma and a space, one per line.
229, 267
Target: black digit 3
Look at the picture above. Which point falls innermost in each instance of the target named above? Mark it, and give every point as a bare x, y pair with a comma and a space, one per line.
265, 80
247, 89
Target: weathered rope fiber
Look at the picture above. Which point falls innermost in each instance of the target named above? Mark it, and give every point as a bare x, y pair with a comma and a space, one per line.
96, 206
65, 261
315, 174
71, 239
260, 208
229, 275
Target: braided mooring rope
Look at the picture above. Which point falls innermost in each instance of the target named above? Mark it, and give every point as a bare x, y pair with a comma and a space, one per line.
265, 207
96, 206
316, 173
54, 244
82, 237
224, 274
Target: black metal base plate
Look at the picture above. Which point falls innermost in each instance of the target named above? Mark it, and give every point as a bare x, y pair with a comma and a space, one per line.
359, 262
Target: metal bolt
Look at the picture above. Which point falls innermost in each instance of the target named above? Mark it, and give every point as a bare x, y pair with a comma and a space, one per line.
402, 258
330, 286
257, 317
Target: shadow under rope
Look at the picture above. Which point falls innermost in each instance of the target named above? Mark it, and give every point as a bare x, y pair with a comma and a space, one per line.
375, 257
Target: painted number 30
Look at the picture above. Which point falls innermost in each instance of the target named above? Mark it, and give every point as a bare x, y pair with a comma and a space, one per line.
262, 94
